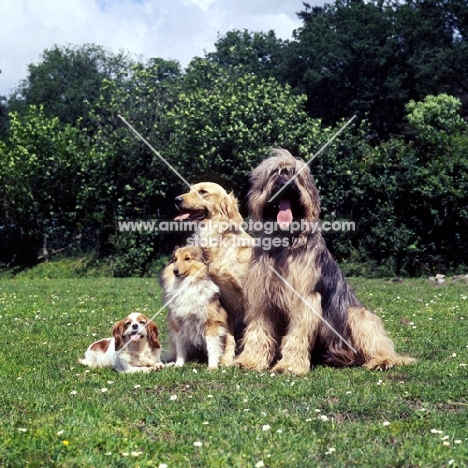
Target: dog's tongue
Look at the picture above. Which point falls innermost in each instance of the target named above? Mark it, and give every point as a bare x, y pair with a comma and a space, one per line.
182, 216
285, 216
136, 337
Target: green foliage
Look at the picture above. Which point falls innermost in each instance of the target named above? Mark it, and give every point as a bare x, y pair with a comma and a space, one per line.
372, 57
343, 60
224, 123
69, 80
70, 169
41, 173
125, 180
132, 253
412, 215
436, 116
252, 52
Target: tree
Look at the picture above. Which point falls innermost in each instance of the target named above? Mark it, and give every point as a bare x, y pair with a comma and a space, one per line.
431, 47
440, 182
436, 117
371, 58
41, 177
414, 217
62, 180
345, 60
249, 52
126, 180
224, 123
69, 80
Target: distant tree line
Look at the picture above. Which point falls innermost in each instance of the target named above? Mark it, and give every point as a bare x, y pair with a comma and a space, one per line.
70, 170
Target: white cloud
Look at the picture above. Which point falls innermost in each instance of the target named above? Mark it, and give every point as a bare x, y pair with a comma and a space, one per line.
177, 29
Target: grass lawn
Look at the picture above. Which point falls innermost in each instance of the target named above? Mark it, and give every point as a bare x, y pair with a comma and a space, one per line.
55, 412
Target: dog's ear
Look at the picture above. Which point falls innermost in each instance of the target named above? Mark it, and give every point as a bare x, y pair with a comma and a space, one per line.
117, 333
152, 335
171, 258
229, 208
167, 274
207, 256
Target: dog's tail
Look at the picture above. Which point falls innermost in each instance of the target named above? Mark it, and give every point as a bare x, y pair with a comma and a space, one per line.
376, 349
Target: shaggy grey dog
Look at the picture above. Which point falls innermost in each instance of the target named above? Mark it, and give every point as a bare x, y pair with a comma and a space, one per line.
298, 304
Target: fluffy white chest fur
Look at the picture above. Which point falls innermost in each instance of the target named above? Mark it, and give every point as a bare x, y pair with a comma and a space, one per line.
191, 298
189, 309
138, 354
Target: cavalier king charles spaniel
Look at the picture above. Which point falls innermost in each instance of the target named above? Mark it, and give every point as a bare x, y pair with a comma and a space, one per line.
134, 347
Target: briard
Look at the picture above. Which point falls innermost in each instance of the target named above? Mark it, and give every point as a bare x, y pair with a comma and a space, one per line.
299, 308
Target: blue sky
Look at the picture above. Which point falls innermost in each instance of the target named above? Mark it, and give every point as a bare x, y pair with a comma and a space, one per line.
176, 29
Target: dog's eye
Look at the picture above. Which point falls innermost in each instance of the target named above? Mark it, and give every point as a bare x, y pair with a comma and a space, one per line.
142, 322
126, 324
202, 192
187, 259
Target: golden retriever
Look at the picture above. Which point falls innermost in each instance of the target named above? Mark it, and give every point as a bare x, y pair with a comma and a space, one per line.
219, 232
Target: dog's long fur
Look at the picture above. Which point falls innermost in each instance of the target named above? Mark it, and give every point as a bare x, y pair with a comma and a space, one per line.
315, 315
226, 246
198, 324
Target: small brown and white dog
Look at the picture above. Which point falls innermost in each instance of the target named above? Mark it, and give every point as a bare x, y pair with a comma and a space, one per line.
199, 327
133, 348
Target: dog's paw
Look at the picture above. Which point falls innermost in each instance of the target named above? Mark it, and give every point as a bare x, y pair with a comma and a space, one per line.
289, 368
380, 363
226, 361
157, 366
245, 362
385, 363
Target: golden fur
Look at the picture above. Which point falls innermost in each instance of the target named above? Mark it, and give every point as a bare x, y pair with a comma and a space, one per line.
226, 246
299, 308
198, 323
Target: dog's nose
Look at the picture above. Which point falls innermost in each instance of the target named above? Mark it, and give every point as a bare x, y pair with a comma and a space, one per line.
178, 200
176, 271
134, 326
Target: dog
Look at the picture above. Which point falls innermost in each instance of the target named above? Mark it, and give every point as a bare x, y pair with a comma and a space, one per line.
299, 308
226, 245
198, 323
133, 348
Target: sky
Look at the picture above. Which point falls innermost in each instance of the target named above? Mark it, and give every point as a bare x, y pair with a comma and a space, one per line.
169, 29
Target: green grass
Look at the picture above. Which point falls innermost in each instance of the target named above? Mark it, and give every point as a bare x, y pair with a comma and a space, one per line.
55, 413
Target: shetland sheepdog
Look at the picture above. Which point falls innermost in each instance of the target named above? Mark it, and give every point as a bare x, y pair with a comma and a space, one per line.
199, 327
